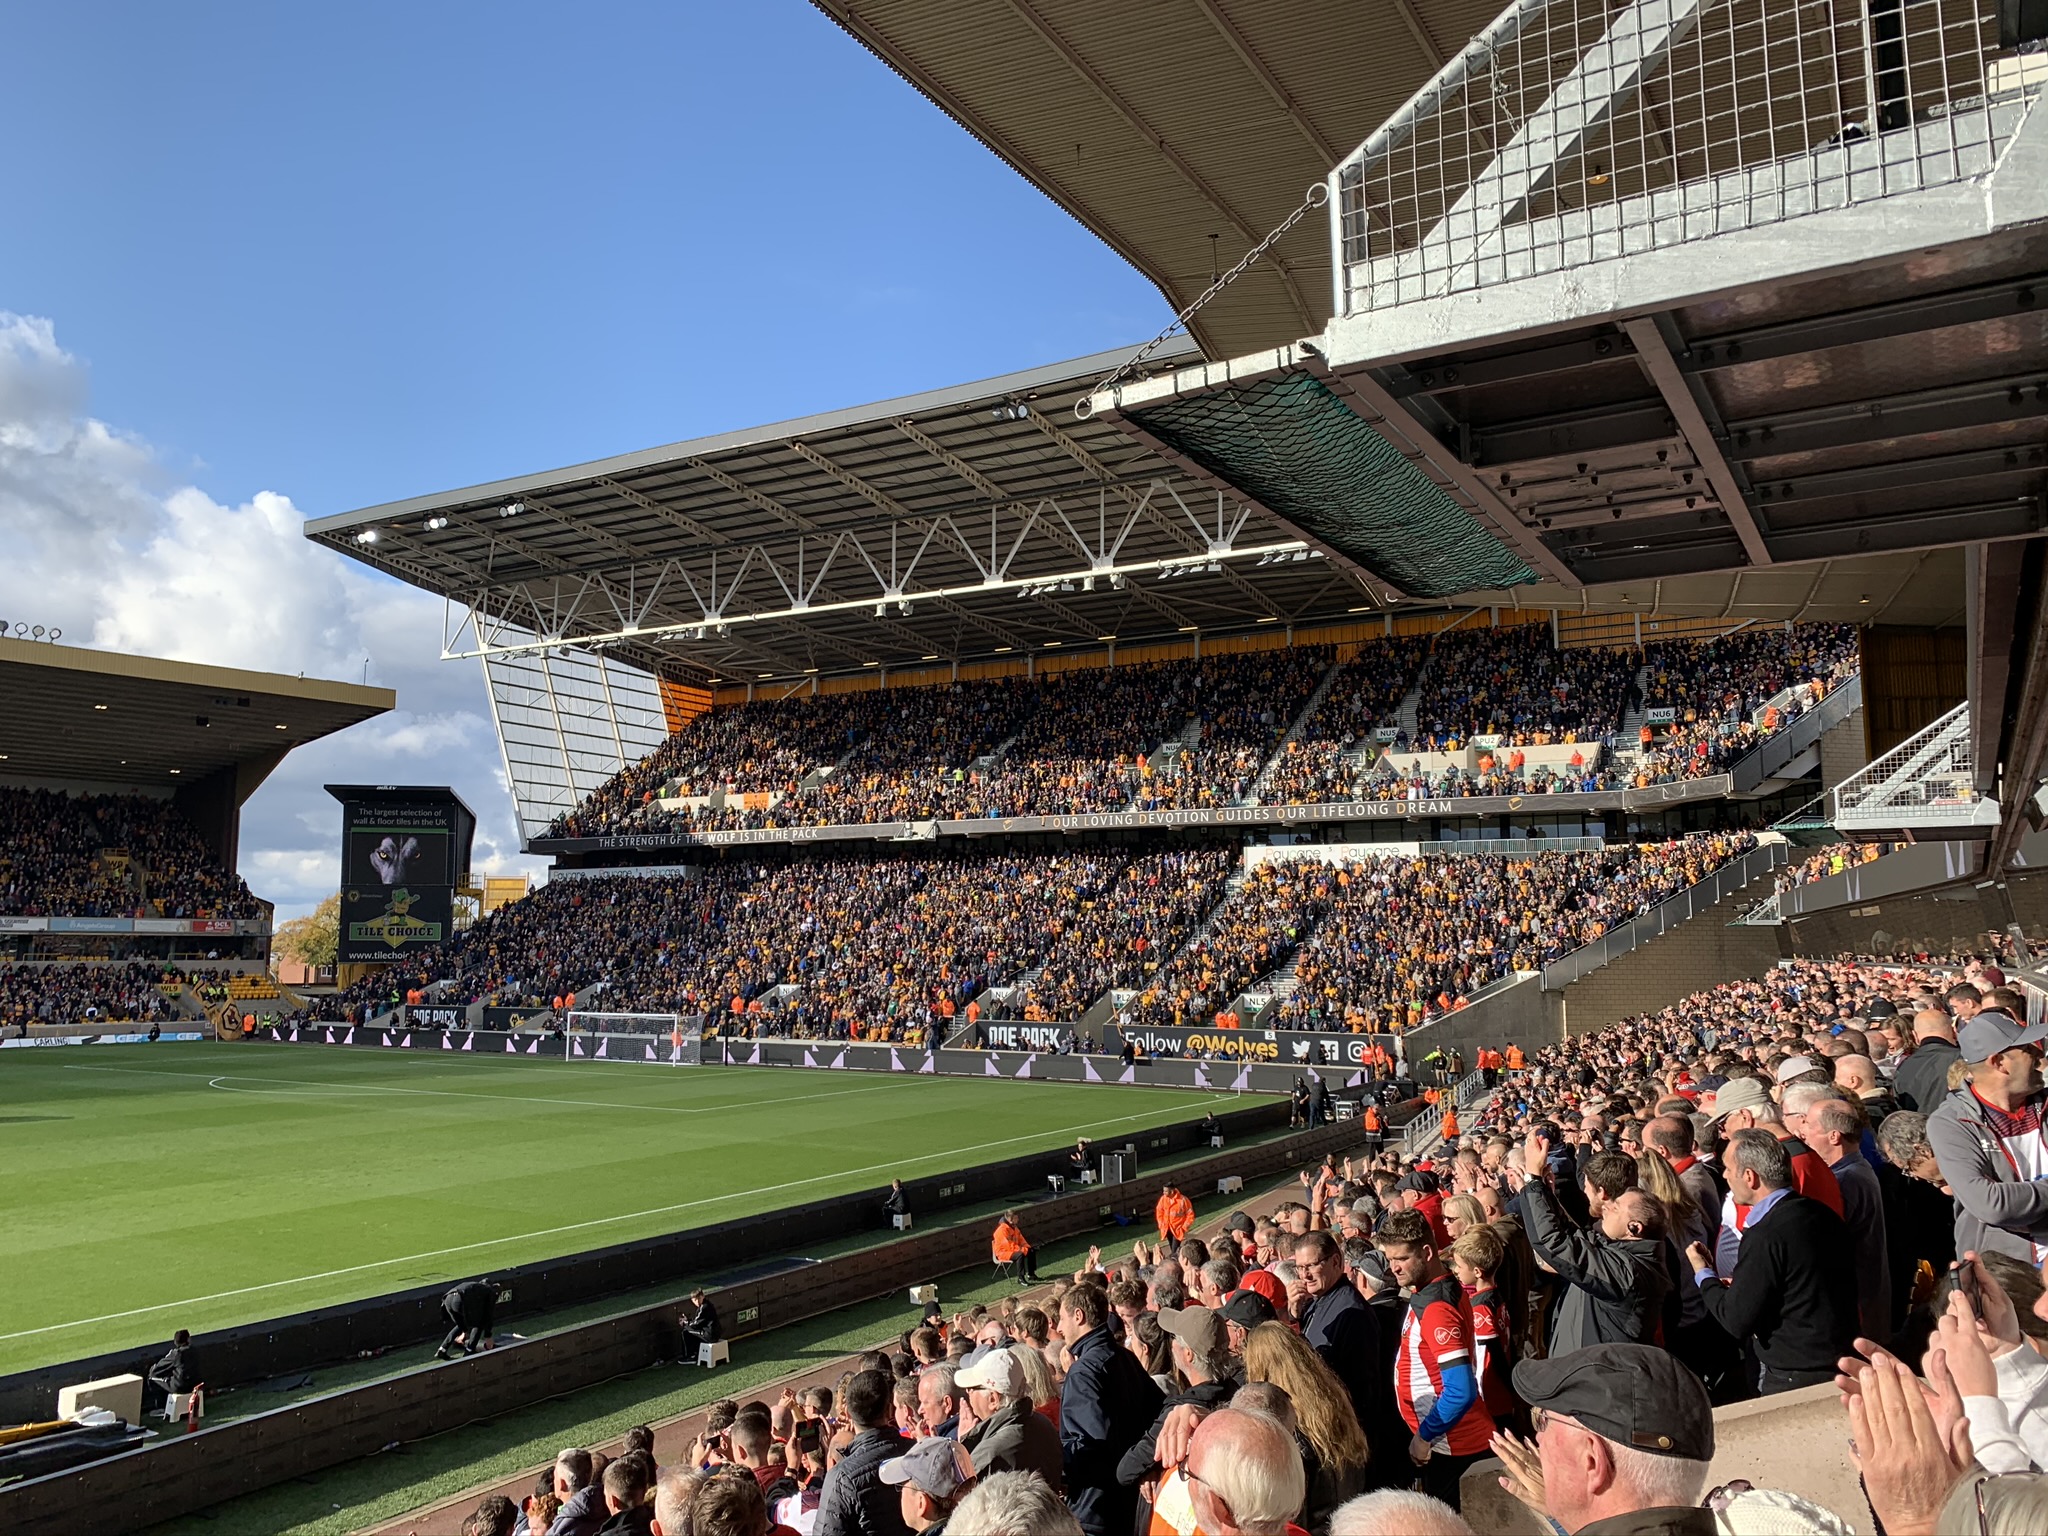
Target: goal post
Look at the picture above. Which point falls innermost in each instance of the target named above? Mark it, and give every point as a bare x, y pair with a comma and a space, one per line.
662, 1037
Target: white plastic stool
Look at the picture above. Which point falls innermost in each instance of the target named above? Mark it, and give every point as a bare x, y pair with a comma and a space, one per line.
901, 1223
1229, 1186
1216, 1140
717, 1352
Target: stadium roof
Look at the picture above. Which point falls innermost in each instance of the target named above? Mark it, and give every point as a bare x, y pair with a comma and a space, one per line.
1179, 134
969, 522
77, 715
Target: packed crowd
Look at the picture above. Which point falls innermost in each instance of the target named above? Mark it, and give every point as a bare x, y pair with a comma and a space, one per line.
1511, 683
887, 947
67, 855
1835, 859
1090, 739
908, 947
87, 994
1828, 1175
1407, 938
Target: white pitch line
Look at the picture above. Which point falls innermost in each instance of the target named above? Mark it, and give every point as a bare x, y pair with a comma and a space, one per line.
456, 1093
575, 1226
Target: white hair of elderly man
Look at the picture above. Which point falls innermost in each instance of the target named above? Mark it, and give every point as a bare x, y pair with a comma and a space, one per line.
1397, 1512
1012, 1504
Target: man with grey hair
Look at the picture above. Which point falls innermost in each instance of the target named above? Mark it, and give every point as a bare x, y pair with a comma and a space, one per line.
1794, 1288
938, 1400
1012, 1504
1624, 1437
1397, 1512
1244, 1475
672, 1495
1829, 1125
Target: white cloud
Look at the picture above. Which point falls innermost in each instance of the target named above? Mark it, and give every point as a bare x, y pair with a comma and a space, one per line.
106, 546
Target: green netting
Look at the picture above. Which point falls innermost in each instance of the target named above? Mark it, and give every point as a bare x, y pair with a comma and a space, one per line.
1290, 444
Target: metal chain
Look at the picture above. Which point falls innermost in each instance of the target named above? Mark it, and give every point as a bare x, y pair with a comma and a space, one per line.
1318, 195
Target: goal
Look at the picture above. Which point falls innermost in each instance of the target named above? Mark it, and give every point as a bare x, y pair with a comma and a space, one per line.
662, 1037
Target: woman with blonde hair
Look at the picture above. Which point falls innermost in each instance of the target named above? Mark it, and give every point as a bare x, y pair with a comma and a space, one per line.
1462, 1213
1333, 1448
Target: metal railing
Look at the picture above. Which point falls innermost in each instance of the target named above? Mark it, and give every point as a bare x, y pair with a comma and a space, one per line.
1575, 131
1929, 779
1757, 864
1797, 734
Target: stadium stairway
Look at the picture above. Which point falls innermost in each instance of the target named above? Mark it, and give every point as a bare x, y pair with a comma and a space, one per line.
1293, 731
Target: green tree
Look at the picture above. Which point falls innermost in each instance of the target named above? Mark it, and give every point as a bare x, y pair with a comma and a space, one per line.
312, 940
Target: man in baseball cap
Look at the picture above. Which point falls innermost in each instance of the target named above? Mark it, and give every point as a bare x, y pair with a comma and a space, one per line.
1988, 1139
934, 1474
1744, 1094
1624, 1436
997, 1423
1242, 1311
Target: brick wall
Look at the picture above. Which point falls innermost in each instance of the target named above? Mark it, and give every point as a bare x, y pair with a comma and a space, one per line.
1680, 960
1844, 750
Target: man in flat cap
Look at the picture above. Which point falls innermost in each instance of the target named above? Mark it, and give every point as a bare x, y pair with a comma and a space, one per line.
1624, 1437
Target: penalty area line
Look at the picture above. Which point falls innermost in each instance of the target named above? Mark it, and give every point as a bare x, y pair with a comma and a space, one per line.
575, 1226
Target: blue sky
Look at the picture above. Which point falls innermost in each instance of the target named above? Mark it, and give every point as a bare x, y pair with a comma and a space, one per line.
261, 262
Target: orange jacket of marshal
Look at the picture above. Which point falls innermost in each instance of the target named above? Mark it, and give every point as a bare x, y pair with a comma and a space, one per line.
1175, 1215
1009, 1241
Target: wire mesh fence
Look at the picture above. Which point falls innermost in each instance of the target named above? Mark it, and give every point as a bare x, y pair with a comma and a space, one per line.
1575, 131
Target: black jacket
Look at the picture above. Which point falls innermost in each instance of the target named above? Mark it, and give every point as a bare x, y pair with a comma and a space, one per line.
471, 1304
1142, 1459
638, 1521
854, 1500
176, 1372
1921, 1081
1106, 1405
703, 1326
1614, 1291
1794, 1288
1340, 1327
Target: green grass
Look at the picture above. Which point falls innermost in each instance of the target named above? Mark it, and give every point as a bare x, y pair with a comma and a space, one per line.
199, 1186
376, 1489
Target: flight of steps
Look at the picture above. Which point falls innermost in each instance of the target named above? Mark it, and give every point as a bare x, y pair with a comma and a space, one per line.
1628, 749
1274, 987
1294, 729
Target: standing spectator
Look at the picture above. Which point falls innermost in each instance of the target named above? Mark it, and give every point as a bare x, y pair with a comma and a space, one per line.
1106, 1404
998, 1424
854, 1501
1342, 1328
1012, 1504
1834, 1130
1613, 1272
938, 1400
1327, 1431
1202, 1358
935, 1474
1435, 1379
1922, 1078
625, 1486
1988, 1140
1794, 1289
1244, 1472
583, 1512
1624, 1441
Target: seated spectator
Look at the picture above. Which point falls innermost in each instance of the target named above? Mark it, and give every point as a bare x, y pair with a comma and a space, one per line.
496, 1516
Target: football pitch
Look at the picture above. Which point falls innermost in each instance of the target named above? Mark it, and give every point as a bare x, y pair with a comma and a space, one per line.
151, 1188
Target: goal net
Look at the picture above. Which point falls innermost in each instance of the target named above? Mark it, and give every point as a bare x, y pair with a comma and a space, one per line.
663, 1037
